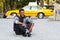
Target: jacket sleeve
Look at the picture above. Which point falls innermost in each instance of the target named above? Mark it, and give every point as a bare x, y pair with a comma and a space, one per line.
16, 19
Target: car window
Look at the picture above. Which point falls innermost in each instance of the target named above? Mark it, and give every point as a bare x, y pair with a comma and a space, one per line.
34, 8
26, 7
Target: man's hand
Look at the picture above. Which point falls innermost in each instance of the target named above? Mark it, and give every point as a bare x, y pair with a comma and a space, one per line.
24, 25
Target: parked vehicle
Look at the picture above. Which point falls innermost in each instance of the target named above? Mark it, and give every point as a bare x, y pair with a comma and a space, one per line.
32, 10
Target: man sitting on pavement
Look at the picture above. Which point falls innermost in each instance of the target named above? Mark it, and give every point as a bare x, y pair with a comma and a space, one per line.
22, 24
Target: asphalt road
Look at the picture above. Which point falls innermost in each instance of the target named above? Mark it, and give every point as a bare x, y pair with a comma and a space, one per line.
43, 30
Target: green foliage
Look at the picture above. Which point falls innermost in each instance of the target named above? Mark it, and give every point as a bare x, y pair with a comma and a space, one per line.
0, 9
22, 3
0, 0
9, 4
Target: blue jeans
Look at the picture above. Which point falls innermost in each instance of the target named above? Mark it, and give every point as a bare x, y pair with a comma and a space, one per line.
20, 28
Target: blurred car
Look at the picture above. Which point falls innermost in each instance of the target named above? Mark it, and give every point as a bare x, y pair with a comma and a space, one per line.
32, 11
50, 6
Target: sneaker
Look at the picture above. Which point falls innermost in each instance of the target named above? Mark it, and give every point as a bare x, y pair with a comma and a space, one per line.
29, 35
25, 34
27, 30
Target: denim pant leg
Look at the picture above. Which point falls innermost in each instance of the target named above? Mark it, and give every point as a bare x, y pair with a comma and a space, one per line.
28, 26
22, 28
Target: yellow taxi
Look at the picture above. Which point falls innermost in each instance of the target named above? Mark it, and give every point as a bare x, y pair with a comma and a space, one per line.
32, 11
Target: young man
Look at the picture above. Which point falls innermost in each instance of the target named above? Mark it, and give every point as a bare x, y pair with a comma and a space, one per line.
23, 25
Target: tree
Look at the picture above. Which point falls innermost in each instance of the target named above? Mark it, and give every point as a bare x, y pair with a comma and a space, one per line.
41, 3
22, 3
1, 5
13, 4
48, 3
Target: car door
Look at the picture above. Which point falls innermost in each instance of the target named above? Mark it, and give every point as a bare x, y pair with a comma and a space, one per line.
34, 10
48, 12
27, 10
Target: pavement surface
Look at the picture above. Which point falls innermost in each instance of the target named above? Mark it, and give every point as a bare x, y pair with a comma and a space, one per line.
43, 30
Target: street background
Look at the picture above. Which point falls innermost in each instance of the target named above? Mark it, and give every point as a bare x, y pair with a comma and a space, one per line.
6, 5
44, 29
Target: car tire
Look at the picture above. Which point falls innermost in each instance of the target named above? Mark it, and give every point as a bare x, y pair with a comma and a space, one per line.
4, 16
40, 15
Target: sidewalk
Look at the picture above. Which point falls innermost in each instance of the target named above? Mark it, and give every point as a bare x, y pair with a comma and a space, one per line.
43, 30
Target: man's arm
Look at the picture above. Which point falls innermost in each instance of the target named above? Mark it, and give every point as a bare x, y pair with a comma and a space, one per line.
32, 24
16, 20
31, 27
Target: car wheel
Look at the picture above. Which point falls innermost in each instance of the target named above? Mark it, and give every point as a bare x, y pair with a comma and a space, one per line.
4, 16
13, 14
40, 15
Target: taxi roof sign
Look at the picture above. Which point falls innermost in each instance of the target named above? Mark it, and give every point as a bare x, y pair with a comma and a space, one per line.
32, 4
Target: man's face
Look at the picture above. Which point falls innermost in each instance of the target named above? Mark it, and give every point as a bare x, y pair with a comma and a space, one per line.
22, 13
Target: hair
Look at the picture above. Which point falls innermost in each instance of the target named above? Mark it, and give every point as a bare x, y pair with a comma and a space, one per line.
21, 10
